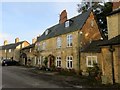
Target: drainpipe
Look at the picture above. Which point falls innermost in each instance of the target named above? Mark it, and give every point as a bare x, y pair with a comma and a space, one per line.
111, 49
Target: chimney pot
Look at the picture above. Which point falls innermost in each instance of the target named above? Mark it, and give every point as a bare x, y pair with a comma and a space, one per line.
34, 40
116, 5
5, 42
16, 40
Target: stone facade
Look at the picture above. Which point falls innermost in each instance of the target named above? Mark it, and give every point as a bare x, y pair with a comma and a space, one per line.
108, 56
107, 63
113, 28
83, 63
12, 52
30, 57
89, 31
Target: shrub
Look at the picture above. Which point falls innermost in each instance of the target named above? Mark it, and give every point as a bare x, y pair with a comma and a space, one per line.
45, 61
94, 71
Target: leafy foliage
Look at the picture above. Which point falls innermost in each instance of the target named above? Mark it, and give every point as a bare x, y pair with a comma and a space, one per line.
45, 61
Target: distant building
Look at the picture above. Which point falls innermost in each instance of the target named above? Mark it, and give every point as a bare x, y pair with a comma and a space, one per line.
12, 51
28, 55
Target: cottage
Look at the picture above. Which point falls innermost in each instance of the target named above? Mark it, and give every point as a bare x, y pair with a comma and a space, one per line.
111, 49
61, 43
28, 55
12, 51
90, 55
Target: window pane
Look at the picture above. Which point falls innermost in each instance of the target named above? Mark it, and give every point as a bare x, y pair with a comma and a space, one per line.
89, 62
70, 64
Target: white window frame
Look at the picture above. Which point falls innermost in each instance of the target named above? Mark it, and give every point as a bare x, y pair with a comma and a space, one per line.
23, 45
59, 42
30, 50
68, 62
5, 50
46, 32
9, 50
43, 45
69, 40
58, 61
67, 23
91, 60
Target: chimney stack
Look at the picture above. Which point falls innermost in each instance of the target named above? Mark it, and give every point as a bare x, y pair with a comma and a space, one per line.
5, 42
16, 40
63, 17
34, 40
116, 5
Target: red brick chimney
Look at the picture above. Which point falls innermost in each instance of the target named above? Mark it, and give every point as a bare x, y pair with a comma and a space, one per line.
116, 5
63, 17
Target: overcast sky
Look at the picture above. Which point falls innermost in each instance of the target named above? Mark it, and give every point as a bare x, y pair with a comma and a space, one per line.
27, 20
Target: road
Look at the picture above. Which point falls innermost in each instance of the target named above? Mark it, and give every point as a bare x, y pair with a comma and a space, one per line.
21, 77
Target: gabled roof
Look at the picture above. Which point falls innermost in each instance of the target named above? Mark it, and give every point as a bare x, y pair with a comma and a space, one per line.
28, 47
113, 41
10, 46
59, 29
92, 47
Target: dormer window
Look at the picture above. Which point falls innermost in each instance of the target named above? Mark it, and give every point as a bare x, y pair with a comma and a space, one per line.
46, 32
67, 24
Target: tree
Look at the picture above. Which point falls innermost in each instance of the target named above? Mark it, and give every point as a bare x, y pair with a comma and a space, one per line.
100, 9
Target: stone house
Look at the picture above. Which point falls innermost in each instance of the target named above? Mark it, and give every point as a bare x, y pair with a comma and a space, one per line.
62, 42
90, 54
12, 51
28, 55
110, 49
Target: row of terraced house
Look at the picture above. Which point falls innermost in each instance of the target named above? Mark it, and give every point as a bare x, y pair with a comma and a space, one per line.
74, 43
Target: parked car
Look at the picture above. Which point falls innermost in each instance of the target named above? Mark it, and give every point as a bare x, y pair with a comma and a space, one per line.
9, 62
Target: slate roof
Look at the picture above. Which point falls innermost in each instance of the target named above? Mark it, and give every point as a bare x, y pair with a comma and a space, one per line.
77, 23
28, 47
10, 46
113, 41
92, 47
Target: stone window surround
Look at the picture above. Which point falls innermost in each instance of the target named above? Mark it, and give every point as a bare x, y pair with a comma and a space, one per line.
9, 50
59, 42
91, 60
58, 61
69, 61
69, 40
43, 45
67, 23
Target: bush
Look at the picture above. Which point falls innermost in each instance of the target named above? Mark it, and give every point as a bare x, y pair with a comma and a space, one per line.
94, 71
66, 71
45, 61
